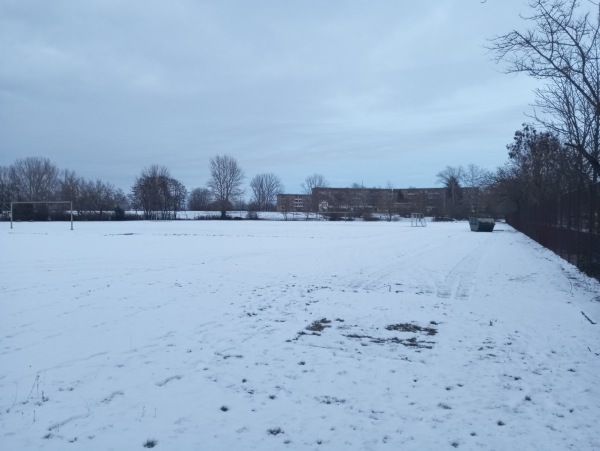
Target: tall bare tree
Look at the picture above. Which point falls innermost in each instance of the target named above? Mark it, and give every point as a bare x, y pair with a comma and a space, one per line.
475, 179
33, 179
313, 181
70, 186
225, 182
562, 48
177, 195
566, 113
474, 176
157, 194
5, 189
265, 188
146, 190
452, 178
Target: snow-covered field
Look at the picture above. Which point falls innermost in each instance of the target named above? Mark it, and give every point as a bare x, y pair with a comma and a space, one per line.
244, 335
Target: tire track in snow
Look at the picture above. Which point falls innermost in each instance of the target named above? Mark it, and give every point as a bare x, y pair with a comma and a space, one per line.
401, 275
460, 281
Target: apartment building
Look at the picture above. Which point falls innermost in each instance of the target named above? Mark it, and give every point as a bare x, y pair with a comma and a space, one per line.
357, 202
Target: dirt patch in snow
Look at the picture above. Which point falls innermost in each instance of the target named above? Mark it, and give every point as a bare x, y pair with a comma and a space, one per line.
318, 326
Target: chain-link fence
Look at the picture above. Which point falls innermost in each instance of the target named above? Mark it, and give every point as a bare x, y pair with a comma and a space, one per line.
569, 226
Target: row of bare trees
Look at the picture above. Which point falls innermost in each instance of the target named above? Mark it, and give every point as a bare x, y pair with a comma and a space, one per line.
539, 167
38, 179
560, 47
529, 175
225, 188
464, 189
154, 192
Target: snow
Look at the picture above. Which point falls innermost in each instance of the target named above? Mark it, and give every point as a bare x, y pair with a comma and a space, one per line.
193, 335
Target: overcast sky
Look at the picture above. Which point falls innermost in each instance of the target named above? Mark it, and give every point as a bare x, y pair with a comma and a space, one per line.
360, 91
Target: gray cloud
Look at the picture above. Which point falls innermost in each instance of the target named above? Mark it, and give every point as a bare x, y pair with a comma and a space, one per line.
379, 91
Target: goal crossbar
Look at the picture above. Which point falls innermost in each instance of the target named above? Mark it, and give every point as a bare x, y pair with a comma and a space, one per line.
42, 202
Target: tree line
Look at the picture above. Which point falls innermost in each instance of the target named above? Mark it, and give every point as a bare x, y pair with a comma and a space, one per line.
38, 179
155, 192
561, 48
559, 150
540, 166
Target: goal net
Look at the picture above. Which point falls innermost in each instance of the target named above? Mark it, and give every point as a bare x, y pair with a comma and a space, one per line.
41, 211
417, 220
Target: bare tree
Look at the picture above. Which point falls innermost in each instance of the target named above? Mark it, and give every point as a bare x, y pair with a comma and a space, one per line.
33, 179
90, 197
314, 181
226, 180
199, 199
474, 176
474, 179
146, 191
567, 114
157, 194
70, 186
177, 194
451, 172
387, 201
5, 189
562, 48
99, 197
265, 188
121, 201
451, 177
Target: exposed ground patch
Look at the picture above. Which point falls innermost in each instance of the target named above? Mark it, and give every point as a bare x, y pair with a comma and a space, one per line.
411, 327
415, 341
412, 342
319, 326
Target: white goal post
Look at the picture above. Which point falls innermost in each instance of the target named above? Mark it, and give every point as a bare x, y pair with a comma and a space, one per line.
417, 220
42, 202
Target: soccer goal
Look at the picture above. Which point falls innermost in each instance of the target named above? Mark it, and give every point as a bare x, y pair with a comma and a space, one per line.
46, 202
417, 220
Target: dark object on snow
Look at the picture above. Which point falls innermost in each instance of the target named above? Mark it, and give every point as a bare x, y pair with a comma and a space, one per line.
481, 224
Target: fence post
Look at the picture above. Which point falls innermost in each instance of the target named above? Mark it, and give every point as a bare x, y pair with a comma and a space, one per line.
590, 229
560, 225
